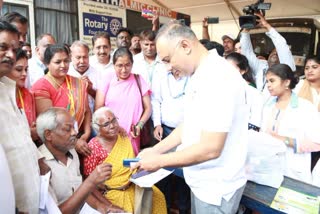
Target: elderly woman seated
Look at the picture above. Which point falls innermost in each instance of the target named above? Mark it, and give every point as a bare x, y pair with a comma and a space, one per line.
111, 145
55, 127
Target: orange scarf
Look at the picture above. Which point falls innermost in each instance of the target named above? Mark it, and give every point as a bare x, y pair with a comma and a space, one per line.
26, 102
77, 94
76, 91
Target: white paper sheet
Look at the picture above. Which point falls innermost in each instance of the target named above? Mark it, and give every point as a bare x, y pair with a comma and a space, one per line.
47, 205
87, 209
265, 159
51, 206
44, 186
152, 178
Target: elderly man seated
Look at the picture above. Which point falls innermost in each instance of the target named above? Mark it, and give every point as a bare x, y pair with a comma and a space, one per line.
56, 129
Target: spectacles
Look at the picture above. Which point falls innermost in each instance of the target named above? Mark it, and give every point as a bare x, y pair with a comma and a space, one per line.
121, 66
166, 60
114, 121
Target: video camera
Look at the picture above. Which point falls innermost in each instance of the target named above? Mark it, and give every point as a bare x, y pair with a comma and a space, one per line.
249, 20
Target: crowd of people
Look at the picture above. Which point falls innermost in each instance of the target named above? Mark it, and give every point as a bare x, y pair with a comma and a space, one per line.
78, 116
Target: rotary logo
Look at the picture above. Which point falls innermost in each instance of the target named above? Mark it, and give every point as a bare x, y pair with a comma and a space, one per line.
115, 25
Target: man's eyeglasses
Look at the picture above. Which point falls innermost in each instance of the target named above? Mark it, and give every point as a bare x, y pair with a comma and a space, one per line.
114, 121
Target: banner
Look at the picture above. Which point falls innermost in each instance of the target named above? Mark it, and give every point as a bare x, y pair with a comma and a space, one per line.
139, 6
94, 23
95, 17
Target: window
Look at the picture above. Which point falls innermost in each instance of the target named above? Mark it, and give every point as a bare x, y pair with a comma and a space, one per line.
22, 9
59, 18
136, 22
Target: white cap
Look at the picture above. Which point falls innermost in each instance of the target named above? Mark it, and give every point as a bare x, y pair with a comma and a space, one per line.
229, 35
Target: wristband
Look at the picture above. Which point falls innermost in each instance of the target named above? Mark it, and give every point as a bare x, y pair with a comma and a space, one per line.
140, 124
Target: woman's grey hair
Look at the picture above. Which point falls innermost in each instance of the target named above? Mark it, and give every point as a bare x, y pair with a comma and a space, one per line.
97, 115
174, 30
48, 121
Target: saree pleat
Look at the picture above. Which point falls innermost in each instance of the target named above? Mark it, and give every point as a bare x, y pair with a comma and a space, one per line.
121, 175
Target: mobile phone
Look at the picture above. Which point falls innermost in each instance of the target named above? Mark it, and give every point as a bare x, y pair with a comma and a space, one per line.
253, 127
134, 130
128, 161
182, 21
213, 20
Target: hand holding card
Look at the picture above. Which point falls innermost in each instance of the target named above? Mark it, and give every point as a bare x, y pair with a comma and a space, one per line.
127, 162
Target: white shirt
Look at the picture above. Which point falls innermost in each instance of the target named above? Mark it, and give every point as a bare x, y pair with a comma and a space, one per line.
316, 102
299, 121
146, 70
21, 152
255, 101
215, 102
101, 69
167, 99
260, 67
92, 74
98, 66
7, 201
65, 179
35, 71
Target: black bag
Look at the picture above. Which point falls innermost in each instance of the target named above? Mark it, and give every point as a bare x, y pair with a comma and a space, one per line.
145, 133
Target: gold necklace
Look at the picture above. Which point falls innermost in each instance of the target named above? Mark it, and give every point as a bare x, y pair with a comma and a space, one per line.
68, 91
54, 80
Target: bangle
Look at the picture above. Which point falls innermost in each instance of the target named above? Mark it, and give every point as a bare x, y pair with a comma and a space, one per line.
287, 141
140, 124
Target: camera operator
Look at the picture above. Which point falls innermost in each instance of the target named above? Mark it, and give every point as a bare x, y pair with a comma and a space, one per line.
281, 53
